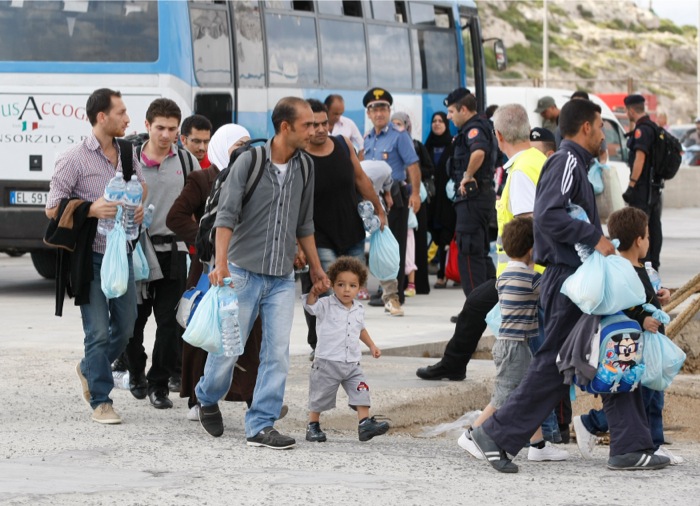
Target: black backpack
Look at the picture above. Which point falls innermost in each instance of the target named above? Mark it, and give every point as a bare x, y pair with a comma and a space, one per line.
205, 242
666, 154
127, 144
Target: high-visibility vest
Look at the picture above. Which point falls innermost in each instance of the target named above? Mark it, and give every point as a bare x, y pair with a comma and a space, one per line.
530, 163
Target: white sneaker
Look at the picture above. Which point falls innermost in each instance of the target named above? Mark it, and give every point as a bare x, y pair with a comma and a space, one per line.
584, 440
465, 441
664, 452
549, 452
193, 413
393, 308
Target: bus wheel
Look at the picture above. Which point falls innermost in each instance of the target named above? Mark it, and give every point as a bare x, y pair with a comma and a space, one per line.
44, 261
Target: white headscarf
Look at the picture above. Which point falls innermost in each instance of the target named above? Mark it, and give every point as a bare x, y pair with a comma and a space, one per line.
222, 140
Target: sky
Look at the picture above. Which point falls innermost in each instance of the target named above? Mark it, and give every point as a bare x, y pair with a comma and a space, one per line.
681, 12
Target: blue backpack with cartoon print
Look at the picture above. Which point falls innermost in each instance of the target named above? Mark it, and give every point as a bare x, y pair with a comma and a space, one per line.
616, 353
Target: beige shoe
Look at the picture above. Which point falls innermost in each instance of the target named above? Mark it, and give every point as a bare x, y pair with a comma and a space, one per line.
104, 413
393, 308
84, 388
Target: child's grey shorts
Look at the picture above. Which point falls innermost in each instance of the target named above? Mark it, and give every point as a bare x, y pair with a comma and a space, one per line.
512, 358
327, 375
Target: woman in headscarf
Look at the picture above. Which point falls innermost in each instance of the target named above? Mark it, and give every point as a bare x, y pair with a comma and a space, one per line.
417, 266
183, 219
440, 209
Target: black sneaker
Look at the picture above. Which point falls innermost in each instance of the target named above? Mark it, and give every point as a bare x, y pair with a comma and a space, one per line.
637, 461
211, 419
174, 384
497, 457
270, 438
370, 428
314, 433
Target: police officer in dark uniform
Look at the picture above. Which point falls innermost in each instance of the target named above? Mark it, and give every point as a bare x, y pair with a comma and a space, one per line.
644, 191
471, 170
564, 179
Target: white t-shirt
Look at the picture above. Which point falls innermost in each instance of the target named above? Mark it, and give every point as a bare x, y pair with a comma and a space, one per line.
347, 128
522, 193
281, 171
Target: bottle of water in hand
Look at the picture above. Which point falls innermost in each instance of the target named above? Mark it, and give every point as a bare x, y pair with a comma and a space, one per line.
228, 320
365, 208
114, 192
148, 217
653, 276
132, 200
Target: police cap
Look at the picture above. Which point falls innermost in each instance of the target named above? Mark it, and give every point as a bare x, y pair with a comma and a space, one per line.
378, 96
455, 96
633, 100
542, 135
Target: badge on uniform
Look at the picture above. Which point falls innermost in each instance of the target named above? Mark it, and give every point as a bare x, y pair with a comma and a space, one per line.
637, 133
473, 133
385, 156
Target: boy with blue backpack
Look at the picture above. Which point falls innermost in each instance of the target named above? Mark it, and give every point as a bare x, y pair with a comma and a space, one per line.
518, 290
630, 226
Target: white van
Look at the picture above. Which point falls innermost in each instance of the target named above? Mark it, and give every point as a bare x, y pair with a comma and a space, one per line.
611, 199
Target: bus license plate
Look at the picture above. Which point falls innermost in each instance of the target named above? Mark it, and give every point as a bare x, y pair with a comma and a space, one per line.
28, 198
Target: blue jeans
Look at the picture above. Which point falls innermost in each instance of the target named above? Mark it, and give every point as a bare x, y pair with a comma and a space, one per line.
273, 298
108, 324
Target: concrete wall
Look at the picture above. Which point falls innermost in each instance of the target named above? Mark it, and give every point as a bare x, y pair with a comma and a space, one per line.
684, 189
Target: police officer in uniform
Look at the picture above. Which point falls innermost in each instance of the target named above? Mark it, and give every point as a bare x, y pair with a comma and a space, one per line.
644, 192
385, 142
471, 170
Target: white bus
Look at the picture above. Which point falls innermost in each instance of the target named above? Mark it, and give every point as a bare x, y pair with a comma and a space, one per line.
230, 61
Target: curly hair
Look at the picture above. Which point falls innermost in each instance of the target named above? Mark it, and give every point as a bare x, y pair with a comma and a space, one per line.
348, 264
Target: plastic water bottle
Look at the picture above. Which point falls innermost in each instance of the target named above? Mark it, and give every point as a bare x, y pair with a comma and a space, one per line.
148, 217
228, 320
114, 192
653, 276
371, 224
578, 213
121, 379
366, 209
132, 200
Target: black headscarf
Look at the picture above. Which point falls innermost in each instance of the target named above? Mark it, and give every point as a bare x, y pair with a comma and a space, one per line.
439, 141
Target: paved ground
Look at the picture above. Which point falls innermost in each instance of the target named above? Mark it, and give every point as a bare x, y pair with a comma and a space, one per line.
51, 453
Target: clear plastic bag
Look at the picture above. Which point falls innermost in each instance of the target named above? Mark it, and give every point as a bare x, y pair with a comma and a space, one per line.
493, 319
454, 429
141, 270
383, 255
595, 176
114, 272
203, 330
662, 357
412, 219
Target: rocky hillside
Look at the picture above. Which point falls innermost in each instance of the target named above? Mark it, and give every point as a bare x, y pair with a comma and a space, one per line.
597, 46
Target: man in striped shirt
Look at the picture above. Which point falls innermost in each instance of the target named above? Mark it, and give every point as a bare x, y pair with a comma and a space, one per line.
83, 172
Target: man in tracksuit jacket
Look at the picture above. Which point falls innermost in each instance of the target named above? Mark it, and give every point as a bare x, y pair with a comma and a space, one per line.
564, 180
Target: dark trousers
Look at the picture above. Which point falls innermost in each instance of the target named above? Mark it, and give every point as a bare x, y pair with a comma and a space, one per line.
470, 326
542, 388
163, 296
475, 264
652, 207
421, 234
398, 224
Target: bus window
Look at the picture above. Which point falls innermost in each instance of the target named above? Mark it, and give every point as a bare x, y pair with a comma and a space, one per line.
341, 7
389, 11
438, 60
430, 15
297, 5
291, 49
389, 56
468, 53
211, 43
250, 60
93, 31
217, 107
343, 54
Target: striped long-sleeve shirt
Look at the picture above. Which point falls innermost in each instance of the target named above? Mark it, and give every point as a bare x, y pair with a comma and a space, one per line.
518, 289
